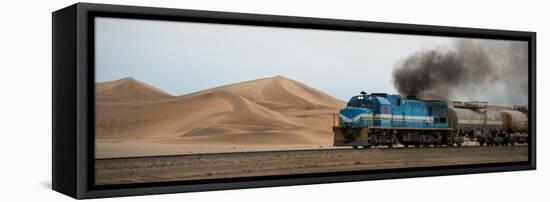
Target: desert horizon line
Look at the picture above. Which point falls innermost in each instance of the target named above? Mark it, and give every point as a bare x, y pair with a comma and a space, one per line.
229, 84
130, 78
240, 82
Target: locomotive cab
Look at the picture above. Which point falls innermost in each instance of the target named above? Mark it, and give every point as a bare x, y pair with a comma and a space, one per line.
358, 108
361, 101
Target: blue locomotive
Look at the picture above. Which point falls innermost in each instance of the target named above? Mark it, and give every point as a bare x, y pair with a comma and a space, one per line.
381, 119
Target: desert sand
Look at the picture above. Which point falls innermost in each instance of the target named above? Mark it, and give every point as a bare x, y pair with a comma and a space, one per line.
136, 119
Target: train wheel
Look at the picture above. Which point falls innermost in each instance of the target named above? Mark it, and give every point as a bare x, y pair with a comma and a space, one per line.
481, 142
422, 140
431, 141
394, 140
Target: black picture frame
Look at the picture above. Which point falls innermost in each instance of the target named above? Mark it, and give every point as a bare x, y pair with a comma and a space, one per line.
73, 99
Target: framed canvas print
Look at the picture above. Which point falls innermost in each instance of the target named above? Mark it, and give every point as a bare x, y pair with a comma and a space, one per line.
155, 100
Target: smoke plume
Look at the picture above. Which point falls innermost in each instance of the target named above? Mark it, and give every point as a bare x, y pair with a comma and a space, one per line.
485, 70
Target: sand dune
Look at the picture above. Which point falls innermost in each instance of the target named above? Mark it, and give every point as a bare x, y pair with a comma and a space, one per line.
128, 90
136, 119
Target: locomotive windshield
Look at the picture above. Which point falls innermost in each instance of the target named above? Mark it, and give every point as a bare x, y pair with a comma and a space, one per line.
360, 101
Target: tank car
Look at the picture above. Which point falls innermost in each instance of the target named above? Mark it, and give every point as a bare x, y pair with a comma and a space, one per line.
475, 121
515, 124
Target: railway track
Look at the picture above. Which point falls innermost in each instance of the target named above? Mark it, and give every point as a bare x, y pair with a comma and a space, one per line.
241, 164
307, 150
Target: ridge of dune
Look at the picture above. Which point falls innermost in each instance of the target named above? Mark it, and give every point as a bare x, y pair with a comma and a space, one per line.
284, 90
128, 89
279, 92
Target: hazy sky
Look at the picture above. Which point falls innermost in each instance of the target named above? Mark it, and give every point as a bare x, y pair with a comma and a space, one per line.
181, 58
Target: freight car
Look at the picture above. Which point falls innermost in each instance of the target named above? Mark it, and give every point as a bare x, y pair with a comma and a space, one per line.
515, 124
379, 119
491, 126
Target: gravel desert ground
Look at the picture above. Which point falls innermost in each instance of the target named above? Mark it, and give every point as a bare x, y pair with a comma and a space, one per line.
245, 164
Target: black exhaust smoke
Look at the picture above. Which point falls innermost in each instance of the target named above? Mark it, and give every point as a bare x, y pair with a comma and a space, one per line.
495, 71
